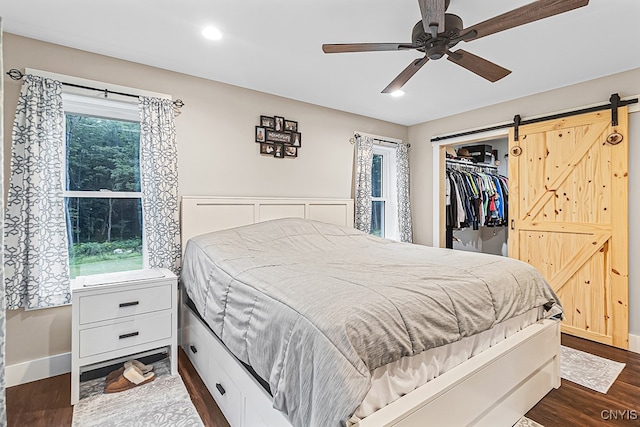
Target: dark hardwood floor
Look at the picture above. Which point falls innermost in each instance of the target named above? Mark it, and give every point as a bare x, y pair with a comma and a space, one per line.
200, 396
41, 403
575, 405
46, 402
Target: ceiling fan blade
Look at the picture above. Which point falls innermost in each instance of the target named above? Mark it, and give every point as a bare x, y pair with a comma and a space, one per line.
480, 66
365, 47
432, 16
405, 75
523, 15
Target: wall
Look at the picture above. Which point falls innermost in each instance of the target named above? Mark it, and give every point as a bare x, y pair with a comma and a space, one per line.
217, 155
591, 92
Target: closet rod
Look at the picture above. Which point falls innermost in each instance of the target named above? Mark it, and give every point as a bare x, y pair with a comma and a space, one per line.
460, 162
520, 122
16, 74
466, 167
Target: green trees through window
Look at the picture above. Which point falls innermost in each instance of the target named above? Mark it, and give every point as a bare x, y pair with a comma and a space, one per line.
104, 213
377, 204
102, 154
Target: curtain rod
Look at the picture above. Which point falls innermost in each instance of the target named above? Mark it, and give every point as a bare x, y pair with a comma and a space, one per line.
16, 74
357, 135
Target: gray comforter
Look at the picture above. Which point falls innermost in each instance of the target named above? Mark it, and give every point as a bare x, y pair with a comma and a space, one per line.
314, 307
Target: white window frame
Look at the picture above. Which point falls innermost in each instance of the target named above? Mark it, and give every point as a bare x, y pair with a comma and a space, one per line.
108, 109
389, 190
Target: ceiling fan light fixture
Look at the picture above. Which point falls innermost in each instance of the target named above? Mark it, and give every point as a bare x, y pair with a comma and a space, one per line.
212, 33
397, 93
437, 32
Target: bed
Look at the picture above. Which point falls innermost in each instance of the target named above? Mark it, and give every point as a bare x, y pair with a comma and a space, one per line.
256, 349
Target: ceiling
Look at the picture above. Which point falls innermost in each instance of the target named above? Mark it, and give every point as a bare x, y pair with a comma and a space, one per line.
275, 47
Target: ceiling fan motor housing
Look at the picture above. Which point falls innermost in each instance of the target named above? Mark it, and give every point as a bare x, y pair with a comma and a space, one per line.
437, 48
434, 45
452, 25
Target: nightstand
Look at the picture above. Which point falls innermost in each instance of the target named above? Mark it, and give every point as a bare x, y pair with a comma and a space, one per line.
116, 316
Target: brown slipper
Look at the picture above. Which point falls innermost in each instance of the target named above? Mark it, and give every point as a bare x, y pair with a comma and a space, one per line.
143, 368
113, 375
130, 378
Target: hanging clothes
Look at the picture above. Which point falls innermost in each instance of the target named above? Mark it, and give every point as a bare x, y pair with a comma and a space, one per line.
475, 198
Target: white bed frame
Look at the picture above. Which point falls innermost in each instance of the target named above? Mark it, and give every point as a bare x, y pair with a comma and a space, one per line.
494, 388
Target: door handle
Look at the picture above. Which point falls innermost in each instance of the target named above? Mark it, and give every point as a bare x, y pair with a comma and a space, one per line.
513, 224
193, 348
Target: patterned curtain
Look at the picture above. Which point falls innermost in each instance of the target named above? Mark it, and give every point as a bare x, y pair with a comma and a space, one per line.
364, 161
3, 408
404, 203
159, 182
35, 233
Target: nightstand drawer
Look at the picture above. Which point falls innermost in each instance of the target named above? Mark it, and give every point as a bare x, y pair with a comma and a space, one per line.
105, 306
139, 330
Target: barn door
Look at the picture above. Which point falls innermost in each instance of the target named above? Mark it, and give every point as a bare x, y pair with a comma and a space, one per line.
568, 212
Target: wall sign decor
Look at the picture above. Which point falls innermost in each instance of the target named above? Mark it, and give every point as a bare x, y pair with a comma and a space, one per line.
275, 136
278, 137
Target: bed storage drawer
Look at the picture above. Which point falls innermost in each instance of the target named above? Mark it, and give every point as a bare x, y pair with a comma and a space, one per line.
226, 394
195, 346
200, 345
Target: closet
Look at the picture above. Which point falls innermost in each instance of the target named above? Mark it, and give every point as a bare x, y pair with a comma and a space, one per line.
477, 191
568, 210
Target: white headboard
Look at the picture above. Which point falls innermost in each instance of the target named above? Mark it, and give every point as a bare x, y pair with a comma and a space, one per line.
204, 214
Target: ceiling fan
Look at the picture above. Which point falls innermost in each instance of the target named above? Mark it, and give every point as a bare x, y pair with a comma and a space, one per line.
438, 32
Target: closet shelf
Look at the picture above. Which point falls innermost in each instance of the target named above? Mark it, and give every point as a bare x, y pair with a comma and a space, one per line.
478, 165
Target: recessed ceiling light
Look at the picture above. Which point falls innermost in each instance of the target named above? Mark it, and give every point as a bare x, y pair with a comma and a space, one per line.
397, 93
212, 33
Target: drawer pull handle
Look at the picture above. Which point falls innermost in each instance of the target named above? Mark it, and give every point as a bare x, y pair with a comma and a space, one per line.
132, 334
220, 389
129, 304
193, 348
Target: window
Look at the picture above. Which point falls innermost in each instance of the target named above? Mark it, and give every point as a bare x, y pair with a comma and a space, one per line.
377, 200
103, 196
384, 215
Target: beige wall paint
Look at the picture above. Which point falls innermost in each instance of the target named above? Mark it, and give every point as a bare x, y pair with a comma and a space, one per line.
592, 92
217, 155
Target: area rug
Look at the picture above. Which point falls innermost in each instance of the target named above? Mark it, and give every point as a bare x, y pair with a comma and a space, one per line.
588, 370
526, 422
162, 402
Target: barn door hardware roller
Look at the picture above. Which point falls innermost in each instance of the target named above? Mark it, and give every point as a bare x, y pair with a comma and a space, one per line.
615, 104
516, 126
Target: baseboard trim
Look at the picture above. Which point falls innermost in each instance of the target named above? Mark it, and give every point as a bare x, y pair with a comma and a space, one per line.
634, 343
33, 370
